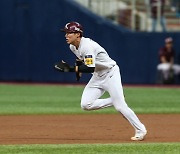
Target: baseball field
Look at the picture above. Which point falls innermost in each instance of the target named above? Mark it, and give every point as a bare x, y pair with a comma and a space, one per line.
47, 118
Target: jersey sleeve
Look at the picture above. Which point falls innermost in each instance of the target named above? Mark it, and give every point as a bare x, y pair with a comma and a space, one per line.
89, 57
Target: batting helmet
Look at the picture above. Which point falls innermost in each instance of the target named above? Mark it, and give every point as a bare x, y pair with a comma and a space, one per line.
73, 27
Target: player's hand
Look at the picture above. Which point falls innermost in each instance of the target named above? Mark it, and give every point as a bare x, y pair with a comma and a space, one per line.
62, 66
78, 74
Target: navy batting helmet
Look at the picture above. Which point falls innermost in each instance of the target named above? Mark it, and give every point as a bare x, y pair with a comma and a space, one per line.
73, 27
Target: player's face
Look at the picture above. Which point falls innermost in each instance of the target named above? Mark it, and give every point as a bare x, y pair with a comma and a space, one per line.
71, 37
169, 45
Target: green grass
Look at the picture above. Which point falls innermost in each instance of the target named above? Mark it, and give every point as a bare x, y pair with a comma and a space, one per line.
158, 148
58, 99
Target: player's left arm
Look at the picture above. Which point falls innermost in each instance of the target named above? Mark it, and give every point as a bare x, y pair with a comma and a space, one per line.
87, 65
65, 67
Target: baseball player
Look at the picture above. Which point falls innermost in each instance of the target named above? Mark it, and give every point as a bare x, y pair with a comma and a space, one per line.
167, 66
106, 76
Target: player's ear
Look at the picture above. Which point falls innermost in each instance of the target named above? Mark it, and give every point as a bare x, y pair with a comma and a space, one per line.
78, 35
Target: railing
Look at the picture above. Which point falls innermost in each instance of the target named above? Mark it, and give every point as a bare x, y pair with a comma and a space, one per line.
110, 9
134, 14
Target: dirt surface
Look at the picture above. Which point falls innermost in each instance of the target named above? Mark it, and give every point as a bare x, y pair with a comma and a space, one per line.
60, 129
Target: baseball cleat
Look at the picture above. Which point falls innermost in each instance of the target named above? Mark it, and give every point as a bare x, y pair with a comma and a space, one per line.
139, 136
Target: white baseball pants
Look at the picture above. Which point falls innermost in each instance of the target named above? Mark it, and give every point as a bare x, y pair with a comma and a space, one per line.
165, 67
110, 82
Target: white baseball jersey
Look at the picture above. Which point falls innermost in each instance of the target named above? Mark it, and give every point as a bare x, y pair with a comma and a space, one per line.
105, 78
93, 55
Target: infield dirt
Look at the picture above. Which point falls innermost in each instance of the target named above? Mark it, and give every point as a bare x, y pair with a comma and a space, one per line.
71, 129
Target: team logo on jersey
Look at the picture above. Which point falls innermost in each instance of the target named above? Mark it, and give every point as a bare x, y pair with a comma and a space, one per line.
88, 60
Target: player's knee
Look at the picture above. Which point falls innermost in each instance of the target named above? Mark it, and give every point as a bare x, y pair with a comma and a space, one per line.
85, 106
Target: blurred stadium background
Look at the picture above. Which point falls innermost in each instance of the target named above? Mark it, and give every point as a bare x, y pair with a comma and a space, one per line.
31, 41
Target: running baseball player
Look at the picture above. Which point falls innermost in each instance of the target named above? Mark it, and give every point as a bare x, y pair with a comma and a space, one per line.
106, 77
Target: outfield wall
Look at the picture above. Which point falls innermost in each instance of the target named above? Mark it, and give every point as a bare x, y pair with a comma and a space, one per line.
31, 42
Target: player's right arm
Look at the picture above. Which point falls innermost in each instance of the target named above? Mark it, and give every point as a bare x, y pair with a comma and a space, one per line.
87, 58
